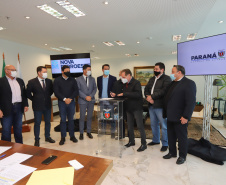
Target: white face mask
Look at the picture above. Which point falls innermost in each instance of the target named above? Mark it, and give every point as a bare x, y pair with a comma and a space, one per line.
44, 75
88, 73
124, 80
13, 74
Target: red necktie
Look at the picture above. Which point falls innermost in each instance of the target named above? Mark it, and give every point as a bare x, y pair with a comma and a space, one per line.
127, 85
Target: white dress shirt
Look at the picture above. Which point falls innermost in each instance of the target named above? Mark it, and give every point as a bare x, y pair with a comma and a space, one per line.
156, 78
41, 81
15, 88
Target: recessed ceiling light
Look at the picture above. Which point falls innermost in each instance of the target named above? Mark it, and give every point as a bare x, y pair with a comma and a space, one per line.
96, 57
138, 42
57, 49
1, 28
52, 11
27, 17
68, 49
108, 43
136, 55
176, 37
106, 2
128, 55
120, 43
174, 52
220, 22
71, 8
191, 36
93, 46
45, 44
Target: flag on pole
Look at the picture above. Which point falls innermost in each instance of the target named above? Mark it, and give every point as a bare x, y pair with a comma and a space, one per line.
3, 66
19, 74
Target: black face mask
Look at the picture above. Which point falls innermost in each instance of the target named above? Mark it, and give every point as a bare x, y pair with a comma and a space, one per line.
67, 74
157, 73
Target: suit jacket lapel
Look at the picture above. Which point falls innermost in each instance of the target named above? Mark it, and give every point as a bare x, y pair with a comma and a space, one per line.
7, 84
38, 83
177, 86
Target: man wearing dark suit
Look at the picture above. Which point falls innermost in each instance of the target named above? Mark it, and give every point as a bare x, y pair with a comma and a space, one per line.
13, 103
134, 107
154, 92
105, 84
66, 90
39, 91
179, 103
87, 90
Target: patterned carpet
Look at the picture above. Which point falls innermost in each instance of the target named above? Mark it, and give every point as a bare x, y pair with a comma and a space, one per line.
194, 131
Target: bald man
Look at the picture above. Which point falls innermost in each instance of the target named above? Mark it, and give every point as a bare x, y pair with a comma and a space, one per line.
13, 103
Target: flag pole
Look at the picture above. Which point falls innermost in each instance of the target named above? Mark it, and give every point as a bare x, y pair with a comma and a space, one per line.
25, 120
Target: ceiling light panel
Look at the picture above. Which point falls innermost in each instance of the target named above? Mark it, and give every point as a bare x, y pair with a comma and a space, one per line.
1, 28
191, 36
71, 8
57, 49
120, 43
68, 49
174, 52
108, 43
176, 37
51, 11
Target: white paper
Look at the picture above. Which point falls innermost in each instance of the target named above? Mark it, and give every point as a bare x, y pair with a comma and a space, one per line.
4, 148
14, 173
15, 158
75, 164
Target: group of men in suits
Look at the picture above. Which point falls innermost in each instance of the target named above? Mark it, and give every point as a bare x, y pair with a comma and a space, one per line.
171, 103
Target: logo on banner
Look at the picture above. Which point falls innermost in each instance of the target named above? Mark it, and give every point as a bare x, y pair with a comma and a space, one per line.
221, 53
107, 113
55, 65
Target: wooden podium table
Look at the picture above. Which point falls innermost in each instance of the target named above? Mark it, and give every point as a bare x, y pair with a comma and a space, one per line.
94, 171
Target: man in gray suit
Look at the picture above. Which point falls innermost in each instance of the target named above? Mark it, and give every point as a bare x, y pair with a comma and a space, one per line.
87, 90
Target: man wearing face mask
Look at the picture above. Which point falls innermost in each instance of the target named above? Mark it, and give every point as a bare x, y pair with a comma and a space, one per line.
39, 91
104, 85
87, 90
66, 90
134, 107
13, 103
179, 103
154, 92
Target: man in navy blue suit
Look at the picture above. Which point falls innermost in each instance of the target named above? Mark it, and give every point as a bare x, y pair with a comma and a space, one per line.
105, 84
179, 103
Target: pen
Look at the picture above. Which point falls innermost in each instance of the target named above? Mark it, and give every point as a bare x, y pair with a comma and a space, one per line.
3, 156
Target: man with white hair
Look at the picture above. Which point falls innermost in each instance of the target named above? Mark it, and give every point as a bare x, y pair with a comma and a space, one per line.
13, 103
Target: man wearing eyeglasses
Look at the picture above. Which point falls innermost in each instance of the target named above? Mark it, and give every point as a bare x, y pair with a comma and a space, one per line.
13, 103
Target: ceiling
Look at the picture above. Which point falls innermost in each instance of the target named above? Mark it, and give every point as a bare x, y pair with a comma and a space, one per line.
151, 22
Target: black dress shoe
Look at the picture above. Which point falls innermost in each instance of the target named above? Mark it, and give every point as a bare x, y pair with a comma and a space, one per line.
50, 140
129, 144
74, 139
142, 148
62, 141
180, 160
90, 135
164, 148
37, 143
153, 143
168, 156
81, 137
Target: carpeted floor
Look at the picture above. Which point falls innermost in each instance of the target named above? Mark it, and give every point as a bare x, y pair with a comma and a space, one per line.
194, 131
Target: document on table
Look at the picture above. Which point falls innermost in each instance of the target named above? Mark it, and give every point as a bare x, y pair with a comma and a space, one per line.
15, 158
56, 176
4, 148
75, 164
14, 173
